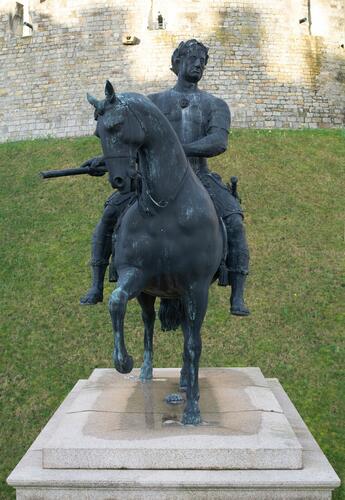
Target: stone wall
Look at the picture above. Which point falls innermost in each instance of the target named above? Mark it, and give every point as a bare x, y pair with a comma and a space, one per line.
272, 70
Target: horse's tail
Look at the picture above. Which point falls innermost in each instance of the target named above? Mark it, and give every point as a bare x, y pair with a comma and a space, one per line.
170, 314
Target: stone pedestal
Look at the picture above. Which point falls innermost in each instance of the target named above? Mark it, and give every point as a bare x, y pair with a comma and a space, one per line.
115, 437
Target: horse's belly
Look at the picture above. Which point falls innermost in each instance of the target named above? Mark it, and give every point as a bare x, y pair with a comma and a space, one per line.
167, 286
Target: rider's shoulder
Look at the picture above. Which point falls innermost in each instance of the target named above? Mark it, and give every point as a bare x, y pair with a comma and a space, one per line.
214, 101
218, 111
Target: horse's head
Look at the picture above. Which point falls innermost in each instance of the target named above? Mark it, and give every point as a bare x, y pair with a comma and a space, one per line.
121, 133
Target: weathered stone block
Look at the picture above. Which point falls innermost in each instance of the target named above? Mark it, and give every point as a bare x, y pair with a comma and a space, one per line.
314, 481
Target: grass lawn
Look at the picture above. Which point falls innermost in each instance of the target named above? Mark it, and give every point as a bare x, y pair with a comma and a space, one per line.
292, 185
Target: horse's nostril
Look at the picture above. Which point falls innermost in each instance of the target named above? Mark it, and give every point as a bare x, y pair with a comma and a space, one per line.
118, 181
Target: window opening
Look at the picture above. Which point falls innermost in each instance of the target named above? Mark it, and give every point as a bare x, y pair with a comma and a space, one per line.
16, 20
20, 22
309, 17
156, 20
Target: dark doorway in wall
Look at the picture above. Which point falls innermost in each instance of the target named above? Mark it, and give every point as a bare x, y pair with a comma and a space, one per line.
309, 16
16, 20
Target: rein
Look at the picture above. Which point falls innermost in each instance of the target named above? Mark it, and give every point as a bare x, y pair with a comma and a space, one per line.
128, 157
165, 203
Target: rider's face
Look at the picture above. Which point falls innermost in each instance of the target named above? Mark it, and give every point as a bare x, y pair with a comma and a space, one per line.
192, 65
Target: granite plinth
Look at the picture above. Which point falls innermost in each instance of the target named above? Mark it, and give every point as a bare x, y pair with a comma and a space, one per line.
314, 481
118, 422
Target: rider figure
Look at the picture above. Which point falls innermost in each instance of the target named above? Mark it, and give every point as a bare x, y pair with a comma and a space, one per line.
202, 122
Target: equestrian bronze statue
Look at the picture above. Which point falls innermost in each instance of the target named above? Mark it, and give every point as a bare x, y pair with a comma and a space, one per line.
170, 241
172, 227
201, 122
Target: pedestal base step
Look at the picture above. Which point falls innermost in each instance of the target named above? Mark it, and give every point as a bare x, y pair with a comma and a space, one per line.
115, 437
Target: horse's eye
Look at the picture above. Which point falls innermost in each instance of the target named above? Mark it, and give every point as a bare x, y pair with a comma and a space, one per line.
117, 126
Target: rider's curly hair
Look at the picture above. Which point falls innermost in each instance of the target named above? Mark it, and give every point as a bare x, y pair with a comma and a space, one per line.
183, 49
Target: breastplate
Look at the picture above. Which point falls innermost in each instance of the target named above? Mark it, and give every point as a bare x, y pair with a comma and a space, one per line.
188, 119
186, 116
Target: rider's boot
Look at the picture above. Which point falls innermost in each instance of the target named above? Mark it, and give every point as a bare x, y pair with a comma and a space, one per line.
100, 255
95, 293
238, 263
237, 305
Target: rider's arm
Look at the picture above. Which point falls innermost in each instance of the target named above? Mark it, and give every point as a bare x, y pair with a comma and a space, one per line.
213, 144
216, 140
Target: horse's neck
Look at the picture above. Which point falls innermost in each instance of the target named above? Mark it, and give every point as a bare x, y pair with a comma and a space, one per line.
164, 162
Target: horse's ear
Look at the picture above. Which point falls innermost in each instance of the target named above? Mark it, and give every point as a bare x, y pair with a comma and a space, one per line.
109, 92
92, 100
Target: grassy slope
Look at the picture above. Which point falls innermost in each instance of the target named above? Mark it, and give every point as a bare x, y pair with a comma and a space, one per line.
292, 184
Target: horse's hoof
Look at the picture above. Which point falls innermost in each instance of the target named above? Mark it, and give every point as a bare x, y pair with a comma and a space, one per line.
146, 373
191, 414
92, 297
174, 399
191, 418
125, 365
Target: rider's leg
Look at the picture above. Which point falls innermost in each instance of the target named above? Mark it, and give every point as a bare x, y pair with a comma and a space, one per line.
229, 209
100, 254
238, 261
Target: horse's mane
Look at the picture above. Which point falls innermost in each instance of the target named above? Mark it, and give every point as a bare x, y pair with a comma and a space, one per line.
135, 99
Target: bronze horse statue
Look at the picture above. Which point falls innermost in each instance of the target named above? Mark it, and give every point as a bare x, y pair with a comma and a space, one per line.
169, 242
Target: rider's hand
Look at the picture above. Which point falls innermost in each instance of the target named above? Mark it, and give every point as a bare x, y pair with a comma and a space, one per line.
93, 164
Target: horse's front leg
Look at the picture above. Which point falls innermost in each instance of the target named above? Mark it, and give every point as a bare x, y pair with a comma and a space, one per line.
147, 303
195, 305
183, 375
130, 284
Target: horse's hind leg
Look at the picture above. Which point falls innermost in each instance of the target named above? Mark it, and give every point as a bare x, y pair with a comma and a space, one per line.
130, 284
147, 303
195, 305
